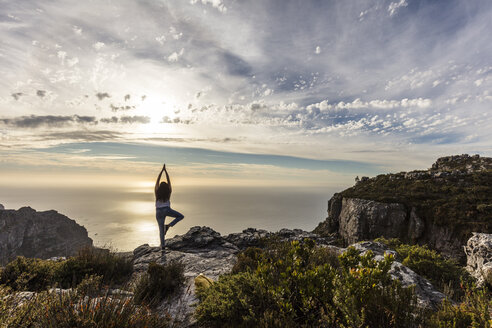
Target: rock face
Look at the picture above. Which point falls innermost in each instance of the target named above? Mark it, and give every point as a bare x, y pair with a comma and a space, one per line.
361, 219
478, 251
204, 251
46, 234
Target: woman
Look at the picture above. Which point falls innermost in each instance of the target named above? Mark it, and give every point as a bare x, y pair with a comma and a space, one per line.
163, 206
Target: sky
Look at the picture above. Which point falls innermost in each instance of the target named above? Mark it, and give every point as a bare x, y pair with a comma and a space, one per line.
270, 93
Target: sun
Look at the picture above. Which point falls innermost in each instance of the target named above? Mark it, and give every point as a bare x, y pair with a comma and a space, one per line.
156, 109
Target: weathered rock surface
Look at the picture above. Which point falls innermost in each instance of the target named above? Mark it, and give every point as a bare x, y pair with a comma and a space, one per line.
204, 251
478, 251
43, 235
362, 219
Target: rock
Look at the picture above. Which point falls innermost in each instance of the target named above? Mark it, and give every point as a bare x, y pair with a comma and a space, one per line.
255, 237
2, 207
416, 227
204, 252
362, 219
26, 232
427, 296
478, 252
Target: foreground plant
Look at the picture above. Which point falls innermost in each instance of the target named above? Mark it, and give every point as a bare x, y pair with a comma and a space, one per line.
300, 285
70, 309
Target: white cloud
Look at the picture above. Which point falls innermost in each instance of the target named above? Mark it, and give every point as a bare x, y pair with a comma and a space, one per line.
219, 4
394, 6
161, 39
98, 45
77, 30
174, 57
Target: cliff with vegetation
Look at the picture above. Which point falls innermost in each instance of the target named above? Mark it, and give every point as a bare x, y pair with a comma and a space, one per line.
440, 207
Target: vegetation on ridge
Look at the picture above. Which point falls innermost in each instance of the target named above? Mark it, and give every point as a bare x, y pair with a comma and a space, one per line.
462, 200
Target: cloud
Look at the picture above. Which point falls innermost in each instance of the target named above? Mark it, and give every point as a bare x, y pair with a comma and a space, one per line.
394, 6
218, 4
174, 57
82, 135
98, 45
135, 119
17, 95
102, 95
120, 108
34, 121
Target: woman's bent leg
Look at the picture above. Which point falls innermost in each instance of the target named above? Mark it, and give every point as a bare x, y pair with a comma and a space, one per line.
175, 214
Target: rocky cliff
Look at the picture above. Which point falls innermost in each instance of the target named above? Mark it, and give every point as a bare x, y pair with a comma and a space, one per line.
439, 207
46, 234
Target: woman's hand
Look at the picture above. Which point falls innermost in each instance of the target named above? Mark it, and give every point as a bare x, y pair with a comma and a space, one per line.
164, 167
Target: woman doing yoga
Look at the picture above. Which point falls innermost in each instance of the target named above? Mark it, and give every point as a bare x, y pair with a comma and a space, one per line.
163, 206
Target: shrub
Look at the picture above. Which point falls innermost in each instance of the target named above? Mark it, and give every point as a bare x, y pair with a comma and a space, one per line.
474, 311
445, 274
36, 275
300, 285
28, 274
114, 269
90, 286
69, 309
247, 260
158, 282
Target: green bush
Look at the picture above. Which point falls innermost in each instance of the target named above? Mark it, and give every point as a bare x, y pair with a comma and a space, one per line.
158, 282
36, 275
474, 311
28, 274
444, 274
114, 269
300, 285
248, 260
71, 309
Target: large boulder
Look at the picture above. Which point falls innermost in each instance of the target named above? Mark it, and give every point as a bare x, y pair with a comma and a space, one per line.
26, 232
478, 251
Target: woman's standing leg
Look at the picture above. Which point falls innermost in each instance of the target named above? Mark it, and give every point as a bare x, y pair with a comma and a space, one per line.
161, 219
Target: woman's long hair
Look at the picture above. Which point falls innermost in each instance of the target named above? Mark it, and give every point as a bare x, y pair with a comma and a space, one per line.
163, 192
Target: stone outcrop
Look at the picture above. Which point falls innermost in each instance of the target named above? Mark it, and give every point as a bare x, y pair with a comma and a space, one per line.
204, 251
26, 232
478, 251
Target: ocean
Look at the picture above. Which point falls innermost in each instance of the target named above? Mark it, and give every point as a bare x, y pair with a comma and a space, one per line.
124, 218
